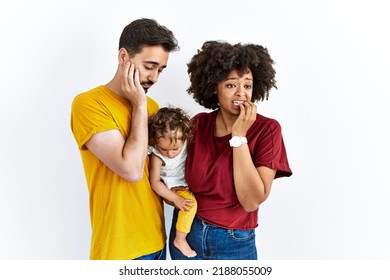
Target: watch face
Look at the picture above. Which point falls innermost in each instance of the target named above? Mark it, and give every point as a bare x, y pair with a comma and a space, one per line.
235, 142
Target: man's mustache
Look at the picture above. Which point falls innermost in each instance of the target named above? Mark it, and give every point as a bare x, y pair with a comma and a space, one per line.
148, 83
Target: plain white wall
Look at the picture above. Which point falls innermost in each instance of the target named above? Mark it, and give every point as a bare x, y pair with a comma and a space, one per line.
332, 63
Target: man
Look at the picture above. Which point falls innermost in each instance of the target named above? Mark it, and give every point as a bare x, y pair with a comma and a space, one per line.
109, 124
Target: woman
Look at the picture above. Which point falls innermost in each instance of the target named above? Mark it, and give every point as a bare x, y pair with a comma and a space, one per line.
235, 153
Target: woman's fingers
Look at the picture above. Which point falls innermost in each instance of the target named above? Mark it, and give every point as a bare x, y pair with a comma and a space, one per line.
248, 109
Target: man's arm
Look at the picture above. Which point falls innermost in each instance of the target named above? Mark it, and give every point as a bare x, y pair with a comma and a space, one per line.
126, 157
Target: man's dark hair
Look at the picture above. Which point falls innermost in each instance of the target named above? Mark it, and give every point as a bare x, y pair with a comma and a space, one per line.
146, 32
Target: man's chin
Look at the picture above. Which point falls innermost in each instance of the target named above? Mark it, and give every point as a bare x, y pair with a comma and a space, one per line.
146, 90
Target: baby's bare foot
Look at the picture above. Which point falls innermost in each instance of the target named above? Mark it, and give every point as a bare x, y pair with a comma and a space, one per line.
184, 247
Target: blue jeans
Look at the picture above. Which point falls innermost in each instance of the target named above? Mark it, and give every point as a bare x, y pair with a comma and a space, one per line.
215, 243
159, 255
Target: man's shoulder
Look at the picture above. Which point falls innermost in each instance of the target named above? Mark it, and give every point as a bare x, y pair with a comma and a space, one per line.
94, 92
92, 97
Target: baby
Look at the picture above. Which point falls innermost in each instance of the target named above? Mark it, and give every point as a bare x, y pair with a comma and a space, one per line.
169, 131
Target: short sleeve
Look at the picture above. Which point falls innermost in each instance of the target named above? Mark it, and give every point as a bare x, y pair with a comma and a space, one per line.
88, 117
270, 150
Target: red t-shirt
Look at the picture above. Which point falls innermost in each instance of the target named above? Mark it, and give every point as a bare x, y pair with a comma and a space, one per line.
209, 168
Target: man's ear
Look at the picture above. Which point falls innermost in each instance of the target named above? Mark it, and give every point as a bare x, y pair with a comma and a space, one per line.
122, 55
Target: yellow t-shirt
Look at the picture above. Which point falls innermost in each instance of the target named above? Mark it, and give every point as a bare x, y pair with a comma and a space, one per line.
127, 218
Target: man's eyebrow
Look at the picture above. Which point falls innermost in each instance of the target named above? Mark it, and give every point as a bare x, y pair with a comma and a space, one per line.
154, 63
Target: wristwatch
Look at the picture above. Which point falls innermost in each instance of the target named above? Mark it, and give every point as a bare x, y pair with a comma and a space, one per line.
236, 141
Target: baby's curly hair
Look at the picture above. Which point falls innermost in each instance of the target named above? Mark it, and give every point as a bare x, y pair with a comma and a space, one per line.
217, 59
170, 119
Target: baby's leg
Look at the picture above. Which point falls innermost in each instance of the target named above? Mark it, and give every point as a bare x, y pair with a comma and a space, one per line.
183, 226
181, 243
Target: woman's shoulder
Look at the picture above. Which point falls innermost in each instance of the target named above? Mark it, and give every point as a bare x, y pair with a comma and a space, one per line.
204, 116
272, 123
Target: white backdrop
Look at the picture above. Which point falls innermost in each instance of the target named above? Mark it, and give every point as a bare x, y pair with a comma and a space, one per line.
332, 61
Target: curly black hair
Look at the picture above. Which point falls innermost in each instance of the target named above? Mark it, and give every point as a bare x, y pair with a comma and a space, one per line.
170, 119
216, 59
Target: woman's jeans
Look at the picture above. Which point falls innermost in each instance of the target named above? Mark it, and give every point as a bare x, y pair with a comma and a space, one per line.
215, 243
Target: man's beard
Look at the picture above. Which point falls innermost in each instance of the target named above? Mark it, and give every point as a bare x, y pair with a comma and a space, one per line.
150, 84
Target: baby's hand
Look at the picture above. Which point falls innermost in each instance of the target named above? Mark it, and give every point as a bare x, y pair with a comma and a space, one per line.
184, 204
179, 188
